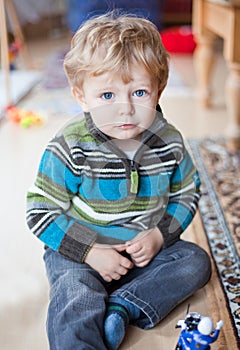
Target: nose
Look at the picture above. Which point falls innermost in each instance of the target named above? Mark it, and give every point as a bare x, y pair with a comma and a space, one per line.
126, 107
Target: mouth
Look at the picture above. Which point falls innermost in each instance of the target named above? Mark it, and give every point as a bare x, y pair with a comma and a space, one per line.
127, 126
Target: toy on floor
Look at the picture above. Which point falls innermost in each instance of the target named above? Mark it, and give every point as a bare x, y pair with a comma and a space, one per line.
22, 117
197, 332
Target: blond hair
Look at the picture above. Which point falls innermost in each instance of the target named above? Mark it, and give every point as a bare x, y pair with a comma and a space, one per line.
113, 43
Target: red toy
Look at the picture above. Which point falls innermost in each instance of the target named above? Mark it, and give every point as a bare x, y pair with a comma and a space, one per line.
178, 40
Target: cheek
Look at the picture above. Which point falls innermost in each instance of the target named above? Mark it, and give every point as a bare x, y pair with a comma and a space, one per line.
146, 115
146, 123
102, 116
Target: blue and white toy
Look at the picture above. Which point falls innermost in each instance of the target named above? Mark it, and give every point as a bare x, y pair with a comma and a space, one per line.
197, 332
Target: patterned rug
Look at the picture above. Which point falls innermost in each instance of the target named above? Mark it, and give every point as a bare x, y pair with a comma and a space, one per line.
220, 211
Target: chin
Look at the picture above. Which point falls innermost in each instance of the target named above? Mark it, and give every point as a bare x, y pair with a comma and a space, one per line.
127, 136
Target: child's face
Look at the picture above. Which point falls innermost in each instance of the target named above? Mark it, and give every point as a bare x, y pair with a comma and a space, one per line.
120, 110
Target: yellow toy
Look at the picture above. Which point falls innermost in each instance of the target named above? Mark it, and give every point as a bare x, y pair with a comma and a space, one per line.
22, 117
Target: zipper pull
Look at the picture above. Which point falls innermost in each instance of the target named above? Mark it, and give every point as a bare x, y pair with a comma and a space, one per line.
134, 179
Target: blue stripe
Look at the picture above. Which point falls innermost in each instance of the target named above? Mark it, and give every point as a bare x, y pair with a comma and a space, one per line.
52, 167
99, 189
116, 189
185, 167
117, 232
153, 185
54, 233
181, 213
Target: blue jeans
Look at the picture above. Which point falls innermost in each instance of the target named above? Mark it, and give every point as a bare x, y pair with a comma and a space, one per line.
78, 294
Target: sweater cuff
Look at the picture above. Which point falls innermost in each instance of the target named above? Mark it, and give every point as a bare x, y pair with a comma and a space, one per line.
170, 229
77, 242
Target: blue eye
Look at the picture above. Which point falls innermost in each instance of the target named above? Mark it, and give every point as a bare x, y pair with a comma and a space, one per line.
107, 95
139, 93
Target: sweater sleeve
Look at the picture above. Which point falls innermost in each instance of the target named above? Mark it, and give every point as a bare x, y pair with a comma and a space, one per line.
184, 194
50, 198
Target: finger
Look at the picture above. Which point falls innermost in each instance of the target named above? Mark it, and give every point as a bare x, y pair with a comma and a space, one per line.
140, 259
142, 263
124, 262
122, 271
107, 278
134, 248
116, 276
120, 247
138, 254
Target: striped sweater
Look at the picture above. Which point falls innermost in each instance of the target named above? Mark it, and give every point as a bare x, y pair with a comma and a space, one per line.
87, 190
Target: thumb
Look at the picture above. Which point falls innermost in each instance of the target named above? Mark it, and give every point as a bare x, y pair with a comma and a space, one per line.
120, 247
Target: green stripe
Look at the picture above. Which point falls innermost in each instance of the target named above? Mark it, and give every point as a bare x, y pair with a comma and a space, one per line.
48, 186
125, 205
43, 202
79, 214
187, 181
115, 308
78, 131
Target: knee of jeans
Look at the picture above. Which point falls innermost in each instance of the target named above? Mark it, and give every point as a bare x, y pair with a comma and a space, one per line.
201, 266
82, 282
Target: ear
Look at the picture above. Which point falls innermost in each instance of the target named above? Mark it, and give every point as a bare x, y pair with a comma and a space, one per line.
160, 92
79, 96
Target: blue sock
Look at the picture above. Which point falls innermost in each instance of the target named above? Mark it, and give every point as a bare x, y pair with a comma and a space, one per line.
119, 313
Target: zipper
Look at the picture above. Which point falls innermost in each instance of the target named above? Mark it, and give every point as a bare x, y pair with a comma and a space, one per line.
134, 178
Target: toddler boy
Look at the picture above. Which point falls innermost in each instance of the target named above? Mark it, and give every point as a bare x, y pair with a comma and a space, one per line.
114, 192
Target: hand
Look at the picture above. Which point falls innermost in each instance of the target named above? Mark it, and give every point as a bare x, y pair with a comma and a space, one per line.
108, 262
182, 324
144, 246
219, 324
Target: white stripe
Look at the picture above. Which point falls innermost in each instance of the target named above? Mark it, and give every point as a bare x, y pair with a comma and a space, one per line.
148, 151
96, 154
159, 165
37, 190
41, 222
104, 170
43, 211
163, 149
61, 152
106, 216
122, 170
59, 148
